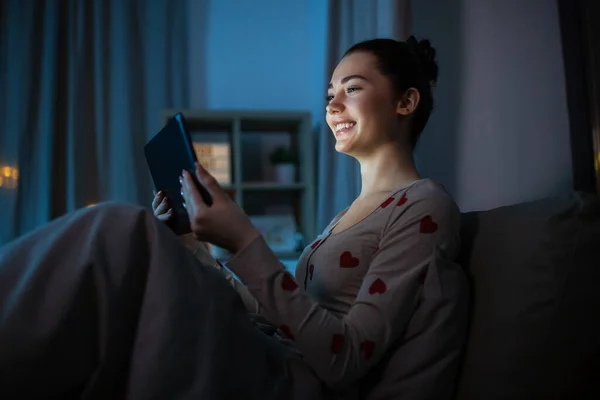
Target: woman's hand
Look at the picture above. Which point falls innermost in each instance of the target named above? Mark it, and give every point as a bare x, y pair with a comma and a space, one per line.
224, 223
161, 208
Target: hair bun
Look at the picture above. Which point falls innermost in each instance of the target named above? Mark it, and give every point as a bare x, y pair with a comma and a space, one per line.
426, 56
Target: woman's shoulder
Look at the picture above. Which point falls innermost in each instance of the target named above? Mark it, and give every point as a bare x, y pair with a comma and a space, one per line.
432, 192
424, 198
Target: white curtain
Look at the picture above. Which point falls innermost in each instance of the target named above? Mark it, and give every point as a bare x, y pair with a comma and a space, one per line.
82, 84
351, 21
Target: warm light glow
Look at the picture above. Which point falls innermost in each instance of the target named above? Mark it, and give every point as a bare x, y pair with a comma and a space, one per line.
9, 176
90, 205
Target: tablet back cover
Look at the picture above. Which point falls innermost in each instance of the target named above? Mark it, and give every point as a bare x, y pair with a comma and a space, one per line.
168, 153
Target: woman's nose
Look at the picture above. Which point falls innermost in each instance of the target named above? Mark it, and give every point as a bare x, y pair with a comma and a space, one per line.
334, 106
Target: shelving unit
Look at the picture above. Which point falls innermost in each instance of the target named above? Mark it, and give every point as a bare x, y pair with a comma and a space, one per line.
251, 136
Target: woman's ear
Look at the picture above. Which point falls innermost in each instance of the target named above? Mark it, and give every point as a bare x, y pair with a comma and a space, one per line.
408, 102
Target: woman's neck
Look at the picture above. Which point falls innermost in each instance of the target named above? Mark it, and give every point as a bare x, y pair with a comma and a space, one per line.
389, 168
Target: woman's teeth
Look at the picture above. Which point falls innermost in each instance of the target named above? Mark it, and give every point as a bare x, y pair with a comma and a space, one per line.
343, 127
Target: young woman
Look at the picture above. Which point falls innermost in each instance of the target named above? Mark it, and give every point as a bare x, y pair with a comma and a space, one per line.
378, 309
377, 290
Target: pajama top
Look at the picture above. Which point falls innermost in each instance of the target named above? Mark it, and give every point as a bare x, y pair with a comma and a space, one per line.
378, 310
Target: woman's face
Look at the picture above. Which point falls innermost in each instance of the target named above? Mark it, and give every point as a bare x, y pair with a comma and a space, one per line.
361, 110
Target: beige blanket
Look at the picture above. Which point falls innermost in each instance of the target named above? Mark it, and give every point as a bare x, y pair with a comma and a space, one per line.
105, 303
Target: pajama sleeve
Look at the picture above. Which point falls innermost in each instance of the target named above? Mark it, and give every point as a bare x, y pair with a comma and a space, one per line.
202, 254
340, 349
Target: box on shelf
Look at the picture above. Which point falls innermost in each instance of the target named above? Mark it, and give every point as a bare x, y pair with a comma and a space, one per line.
279, 231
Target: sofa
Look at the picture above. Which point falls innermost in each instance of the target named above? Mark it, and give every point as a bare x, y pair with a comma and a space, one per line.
535, 322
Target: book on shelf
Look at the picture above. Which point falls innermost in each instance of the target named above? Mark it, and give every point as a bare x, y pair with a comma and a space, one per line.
216, 158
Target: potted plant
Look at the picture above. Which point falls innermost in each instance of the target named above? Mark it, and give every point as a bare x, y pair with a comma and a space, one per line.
284, 165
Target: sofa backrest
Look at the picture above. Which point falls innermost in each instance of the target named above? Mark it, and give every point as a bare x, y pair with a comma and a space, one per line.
535, 322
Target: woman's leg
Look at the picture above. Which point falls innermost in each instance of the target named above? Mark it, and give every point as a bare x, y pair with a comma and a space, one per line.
106, 302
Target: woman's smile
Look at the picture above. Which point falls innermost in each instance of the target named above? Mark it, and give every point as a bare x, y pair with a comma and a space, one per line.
344, 128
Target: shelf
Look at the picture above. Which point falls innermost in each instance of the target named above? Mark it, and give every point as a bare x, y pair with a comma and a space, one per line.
222, 115
251, 136
265, 187
272, 186
249, 120
212, 125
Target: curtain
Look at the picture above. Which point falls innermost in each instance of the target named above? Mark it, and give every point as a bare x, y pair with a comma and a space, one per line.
82, 84
351, 21
580, 42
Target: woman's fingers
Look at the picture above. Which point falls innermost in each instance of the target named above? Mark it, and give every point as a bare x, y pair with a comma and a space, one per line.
166, 216
159, 206
190, 193
163, 207
207, 180
158, 197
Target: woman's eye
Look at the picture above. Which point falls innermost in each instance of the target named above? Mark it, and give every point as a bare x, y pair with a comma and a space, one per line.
348, 91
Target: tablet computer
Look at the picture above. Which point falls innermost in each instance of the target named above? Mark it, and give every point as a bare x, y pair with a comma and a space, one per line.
168, 153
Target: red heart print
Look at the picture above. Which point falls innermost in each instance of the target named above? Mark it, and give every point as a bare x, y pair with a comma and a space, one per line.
315, 244
311, 269
337, 341
347, 261
387, 202
367, 349
378, 286
428, 225
287, 331
402, 200
288, 283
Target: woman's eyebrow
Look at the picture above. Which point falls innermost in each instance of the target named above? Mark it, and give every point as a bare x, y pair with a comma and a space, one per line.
347, 78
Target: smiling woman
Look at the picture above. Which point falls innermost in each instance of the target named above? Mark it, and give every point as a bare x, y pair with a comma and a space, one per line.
390, 84
378, 307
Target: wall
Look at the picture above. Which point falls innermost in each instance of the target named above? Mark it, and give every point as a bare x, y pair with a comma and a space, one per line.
500, 132
267, 54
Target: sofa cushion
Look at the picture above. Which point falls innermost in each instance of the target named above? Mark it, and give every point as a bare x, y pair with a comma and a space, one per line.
535, 324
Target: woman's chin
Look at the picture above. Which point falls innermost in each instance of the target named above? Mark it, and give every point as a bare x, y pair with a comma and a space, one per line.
343, 148
346, 143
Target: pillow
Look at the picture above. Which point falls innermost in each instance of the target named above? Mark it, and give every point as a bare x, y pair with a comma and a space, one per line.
535, 323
